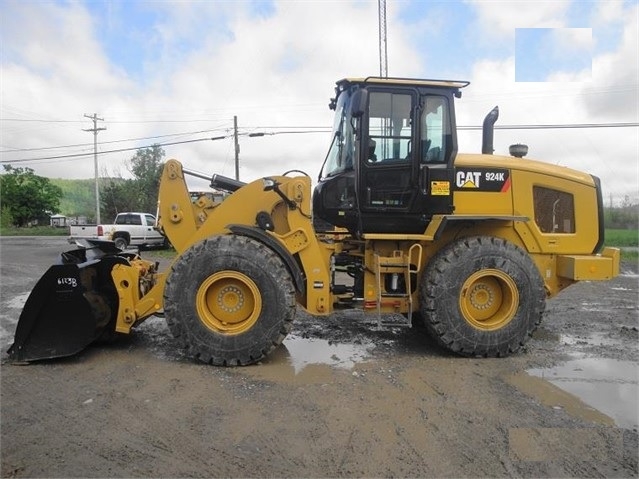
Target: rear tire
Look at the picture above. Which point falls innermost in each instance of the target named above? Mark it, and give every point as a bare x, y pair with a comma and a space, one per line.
121, 243
229, 300
482, 296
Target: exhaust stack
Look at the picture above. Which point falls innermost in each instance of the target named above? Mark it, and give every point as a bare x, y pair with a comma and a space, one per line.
488, 130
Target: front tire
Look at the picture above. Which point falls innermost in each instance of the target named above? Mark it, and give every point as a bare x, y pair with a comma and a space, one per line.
229, 300
482, 296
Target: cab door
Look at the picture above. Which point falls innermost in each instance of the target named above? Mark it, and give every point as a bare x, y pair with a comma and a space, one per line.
436, 154
406, 162
388, 178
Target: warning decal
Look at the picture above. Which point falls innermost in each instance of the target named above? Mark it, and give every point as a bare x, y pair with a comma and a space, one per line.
440, 188
482, 179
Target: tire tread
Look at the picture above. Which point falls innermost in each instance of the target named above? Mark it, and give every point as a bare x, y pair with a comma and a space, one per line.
439, 278
219, 351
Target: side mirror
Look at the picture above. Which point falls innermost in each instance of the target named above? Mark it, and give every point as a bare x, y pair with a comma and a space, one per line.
359, 101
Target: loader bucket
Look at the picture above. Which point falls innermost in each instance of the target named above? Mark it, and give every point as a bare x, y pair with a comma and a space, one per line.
72, 305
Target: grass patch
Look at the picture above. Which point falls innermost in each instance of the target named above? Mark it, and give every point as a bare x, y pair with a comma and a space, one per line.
631, 256
34, 231
622, 238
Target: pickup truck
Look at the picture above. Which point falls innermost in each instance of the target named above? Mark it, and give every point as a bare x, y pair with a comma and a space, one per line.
128, 229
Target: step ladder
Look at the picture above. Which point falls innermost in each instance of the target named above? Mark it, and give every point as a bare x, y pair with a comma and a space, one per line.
400, 264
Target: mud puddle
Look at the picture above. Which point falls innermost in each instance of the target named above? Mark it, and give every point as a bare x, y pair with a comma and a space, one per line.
294, 355
303, 352
310, 361
609, 386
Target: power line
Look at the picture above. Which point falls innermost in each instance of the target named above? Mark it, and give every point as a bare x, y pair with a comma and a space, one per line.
324, 130
34, 120
120, 150
274, 133
555, 127
78, 145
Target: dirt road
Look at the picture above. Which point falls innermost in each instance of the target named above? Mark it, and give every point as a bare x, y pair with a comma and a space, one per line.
339, 399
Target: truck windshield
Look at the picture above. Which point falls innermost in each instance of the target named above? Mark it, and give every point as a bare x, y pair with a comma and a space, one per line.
342, 151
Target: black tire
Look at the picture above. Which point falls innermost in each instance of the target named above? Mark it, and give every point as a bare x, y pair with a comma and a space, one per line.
121, 243
482, 296
229, 300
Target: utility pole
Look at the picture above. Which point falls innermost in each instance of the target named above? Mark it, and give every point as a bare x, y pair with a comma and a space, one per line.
383, 45
95, 131
237, 149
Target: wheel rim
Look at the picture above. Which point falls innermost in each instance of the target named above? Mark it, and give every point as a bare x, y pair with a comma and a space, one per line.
229, 302
489, 299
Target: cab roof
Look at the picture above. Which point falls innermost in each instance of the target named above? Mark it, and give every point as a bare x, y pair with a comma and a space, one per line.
452, 84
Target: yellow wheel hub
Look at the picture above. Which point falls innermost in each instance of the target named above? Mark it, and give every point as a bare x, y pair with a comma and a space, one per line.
489, 299
228, 302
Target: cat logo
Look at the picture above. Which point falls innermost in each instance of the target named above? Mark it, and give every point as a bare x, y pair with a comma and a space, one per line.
482, 179
468, 179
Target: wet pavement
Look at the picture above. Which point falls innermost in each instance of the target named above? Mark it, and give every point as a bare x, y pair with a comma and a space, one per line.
607, 384
610, 386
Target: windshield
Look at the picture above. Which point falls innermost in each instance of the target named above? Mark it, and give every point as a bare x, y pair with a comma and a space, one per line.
342, 150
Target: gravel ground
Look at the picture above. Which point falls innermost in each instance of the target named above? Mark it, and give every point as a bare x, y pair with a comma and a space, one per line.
339, 398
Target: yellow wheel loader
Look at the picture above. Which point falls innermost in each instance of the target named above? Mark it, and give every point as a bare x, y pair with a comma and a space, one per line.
399, 224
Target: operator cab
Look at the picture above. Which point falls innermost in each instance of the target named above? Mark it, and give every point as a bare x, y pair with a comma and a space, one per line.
390, 165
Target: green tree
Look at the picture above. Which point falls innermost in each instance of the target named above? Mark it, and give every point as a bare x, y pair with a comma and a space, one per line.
6, 220
27, 196
119, 195
625, 216
146, 167
139, 193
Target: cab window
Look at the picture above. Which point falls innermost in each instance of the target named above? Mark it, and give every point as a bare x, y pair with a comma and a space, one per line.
436, 137
390, 128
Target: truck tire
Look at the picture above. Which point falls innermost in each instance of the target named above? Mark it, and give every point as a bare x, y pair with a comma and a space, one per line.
229, 300
121, 243
482, 296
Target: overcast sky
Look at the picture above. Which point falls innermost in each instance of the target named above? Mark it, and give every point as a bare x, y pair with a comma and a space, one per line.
173, 71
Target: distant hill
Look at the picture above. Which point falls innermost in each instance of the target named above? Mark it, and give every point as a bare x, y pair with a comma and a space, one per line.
79, 195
